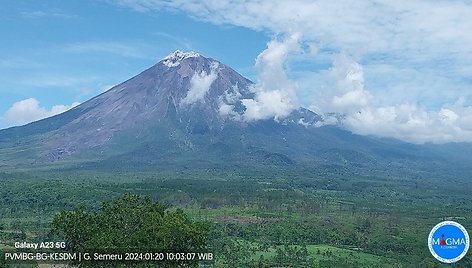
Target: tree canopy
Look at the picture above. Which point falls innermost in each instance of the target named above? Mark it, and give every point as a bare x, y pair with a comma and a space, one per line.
131, 224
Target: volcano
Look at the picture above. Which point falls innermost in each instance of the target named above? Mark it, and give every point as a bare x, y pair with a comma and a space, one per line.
187, 110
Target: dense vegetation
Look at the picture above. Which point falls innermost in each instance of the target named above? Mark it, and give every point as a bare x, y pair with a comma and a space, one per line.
131, 225
259, 217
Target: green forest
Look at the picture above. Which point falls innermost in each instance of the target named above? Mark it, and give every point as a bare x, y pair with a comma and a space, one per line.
261, 217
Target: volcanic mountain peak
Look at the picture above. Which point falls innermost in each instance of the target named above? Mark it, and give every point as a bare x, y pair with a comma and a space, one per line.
174, 58
189, 110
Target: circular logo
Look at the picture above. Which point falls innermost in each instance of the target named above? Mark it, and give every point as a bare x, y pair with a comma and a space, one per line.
448, 242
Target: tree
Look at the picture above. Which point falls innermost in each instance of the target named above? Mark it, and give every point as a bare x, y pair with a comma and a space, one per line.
132, 224
233, 252
2, 259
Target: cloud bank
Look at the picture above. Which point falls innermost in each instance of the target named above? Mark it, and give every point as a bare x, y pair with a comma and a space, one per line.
409, 122
392, 68
29, 110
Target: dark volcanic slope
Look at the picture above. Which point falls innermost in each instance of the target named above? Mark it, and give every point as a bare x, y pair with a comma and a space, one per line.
151, 100
171, 114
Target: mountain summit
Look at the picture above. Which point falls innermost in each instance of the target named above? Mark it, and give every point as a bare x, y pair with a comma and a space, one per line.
176, 89
174, 59
187, 110
183, 95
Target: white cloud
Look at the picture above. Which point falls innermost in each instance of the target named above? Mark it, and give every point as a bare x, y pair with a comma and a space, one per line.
275, 94
368, 26
226, 109
267, 104
200, 84
349, 77
404, 121
29, 110
351, 99
227, 103
412, 60
413, 124
344, 90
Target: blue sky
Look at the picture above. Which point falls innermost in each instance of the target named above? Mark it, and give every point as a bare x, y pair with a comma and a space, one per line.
61, 52
397, 69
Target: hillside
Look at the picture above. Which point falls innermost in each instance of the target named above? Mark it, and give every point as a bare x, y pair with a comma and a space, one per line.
175, 114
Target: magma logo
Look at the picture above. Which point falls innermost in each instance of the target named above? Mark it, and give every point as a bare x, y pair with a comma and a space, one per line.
448, 242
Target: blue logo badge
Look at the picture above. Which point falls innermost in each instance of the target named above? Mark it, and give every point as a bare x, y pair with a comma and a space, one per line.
448, 242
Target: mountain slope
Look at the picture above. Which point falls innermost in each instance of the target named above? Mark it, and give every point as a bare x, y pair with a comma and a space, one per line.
174, 114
